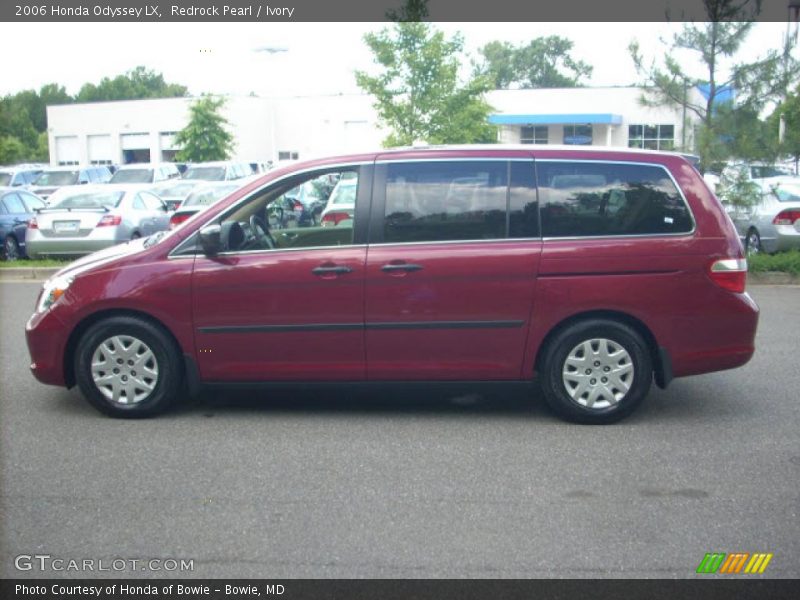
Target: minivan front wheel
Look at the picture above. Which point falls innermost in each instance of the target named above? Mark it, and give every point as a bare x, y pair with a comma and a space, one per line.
596, 371
128, 367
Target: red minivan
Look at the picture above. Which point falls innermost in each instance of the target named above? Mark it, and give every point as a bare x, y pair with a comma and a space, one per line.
594, 271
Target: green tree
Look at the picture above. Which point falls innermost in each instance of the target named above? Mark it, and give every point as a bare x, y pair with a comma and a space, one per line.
790, 109
418, 94
11, 150
543, 62
716, 43
205, 137
136, 84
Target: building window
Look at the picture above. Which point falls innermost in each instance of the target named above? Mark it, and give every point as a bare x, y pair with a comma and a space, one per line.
286, 155
533, 135
578, 135
67, 163
651, 137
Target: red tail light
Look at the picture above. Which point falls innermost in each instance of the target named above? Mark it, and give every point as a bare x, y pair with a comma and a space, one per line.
298, 205
176, 220
786, 217
32, 224
729, 274
334, 218
110, 221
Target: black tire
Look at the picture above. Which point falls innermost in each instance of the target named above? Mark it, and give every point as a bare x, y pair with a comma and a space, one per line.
136, 235
10, 248
554, 364
752, 243
167, 359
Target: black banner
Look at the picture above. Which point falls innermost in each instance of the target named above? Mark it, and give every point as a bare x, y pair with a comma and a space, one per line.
358, 10
384, 589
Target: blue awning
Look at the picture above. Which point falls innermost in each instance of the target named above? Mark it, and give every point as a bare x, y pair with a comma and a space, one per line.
565, 119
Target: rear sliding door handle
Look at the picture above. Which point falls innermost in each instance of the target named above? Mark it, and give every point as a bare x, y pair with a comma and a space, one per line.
401, 267
331, 270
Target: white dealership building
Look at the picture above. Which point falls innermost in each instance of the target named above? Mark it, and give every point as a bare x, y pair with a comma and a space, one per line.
282, 128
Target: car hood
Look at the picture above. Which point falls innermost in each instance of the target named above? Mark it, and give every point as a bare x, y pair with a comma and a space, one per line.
101, 258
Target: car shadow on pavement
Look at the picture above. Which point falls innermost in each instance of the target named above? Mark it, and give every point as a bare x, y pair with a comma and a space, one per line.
507, 400
684, 401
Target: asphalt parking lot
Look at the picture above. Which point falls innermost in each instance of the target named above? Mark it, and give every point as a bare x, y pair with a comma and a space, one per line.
402, 484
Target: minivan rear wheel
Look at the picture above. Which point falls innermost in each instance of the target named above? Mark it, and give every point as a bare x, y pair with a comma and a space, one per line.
128, 367
596, 371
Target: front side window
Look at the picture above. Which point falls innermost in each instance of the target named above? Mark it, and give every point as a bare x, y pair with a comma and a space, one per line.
602, 199
288, 216
444, 201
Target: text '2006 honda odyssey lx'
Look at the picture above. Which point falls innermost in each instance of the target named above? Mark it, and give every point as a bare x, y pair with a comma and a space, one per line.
594, 271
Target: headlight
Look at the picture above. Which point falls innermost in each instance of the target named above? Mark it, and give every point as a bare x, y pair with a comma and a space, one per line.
53, 290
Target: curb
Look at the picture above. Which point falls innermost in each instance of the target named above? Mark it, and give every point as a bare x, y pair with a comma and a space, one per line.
42, 273
773, 278
28, 273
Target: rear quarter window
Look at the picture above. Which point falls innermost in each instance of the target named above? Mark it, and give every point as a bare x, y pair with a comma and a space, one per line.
583, 199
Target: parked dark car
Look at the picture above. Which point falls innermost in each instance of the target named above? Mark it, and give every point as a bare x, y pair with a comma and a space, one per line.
19, 175
17, 207
594, 271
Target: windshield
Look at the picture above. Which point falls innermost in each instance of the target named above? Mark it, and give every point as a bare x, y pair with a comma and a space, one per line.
344, 194
788, 193
208, 196
57, 178
176, 190
205, 173
5, 178
764, 172
90, 200
132, 176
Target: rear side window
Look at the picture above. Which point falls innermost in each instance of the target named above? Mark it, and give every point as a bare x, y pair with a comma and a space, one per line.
599, 199
443, 201
31, 202
14, 204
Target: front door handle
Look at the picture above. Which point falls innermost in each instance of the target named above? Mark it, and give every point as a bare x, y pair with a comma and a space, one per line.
335, 270
401, 267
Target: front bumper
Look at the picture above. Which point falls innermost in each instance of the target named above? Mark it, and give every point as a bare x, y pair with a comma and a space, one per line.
47, 336
67, 247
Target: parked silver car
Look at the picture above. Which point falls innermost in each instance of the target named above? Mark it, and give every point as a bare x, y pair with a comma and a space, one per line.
773, 224
83, 220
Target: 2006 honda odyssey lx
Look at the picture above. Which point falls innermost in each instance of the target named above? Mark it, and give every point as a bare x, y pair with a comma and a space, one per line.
595, 271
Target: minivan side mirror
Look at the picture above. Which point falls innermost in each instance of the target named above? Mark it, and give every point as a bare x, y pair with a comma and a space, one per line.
210, 239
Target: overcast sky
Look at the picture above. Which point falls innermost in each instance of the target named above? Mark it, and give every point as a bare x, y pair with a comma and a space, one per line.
319, 59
